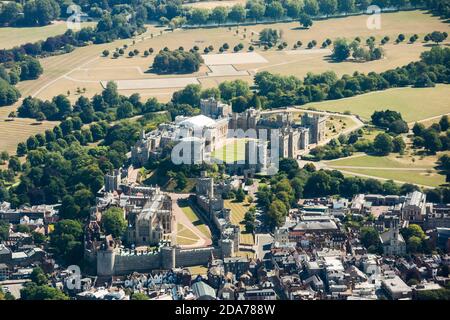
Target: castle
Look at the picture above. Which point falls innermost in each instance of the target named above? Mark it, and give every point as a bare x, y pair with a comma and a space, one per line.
293, 137
150, 222
202, 134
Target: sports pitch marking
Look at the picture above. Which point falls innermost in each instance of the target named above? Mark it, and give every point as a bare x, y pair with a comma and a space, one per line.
233, 58
160, 83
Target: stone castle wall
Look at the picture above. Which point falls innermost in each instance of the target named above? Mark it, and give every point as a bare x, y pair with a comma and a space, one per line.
111, 263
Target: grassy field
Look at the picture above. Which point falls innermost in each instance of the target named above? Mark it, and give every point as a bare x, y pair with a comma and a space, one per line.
84, 68
424, 178
10, 37
185, 236
390, 161
231, 152
194, 218
201, 270
13, 132
410, 168
238, 210
413, 103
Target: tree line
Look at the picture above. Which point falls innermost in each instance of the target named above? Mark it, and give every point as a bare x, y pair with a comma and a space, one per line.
19, 63
434, 138
281, 91
257, 10
177, 61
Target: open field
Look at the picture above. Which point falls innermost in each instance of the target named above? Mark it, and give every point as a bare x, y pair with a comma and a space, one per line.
238, 210
13, 132
201, 270
390, 161
88, 74
185, 236
407, 168
194, 218
423, 178
413, 103
10, 37
85, 68
231, 152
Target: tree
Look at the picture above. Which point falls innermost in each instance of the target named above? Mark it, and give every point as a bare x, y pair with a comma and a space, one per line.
414, 244
398, 126
418, 129
341, 50
346, 6
413, 230
237, 13
269, 36
398, 144
240, 195
219, 15
113, 222
139, 296
67, 240
38, 238
105, 53
328, 7
369, 237
305, 21
255, 102
444, 123
311, 7
8, 93
249, 219
383, 144
275, 10
199, 16
177, 61
277, 213
232, 89
41, 12
239, 104
437, 36
10, 13
4, 231
38, 276
256, 10
32, 291
69, 209
189, 95
431, 141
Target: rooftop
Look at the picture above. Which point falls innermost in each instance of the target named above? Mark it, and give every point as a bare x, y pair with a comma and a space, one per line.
198, 122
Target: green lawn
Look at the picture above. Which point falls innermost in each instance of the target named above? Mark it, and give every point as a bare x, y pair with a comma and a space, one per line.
418, 177
194, 218
231, 152
374, 161
184, 233
238, 210
10, 37
413, 103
